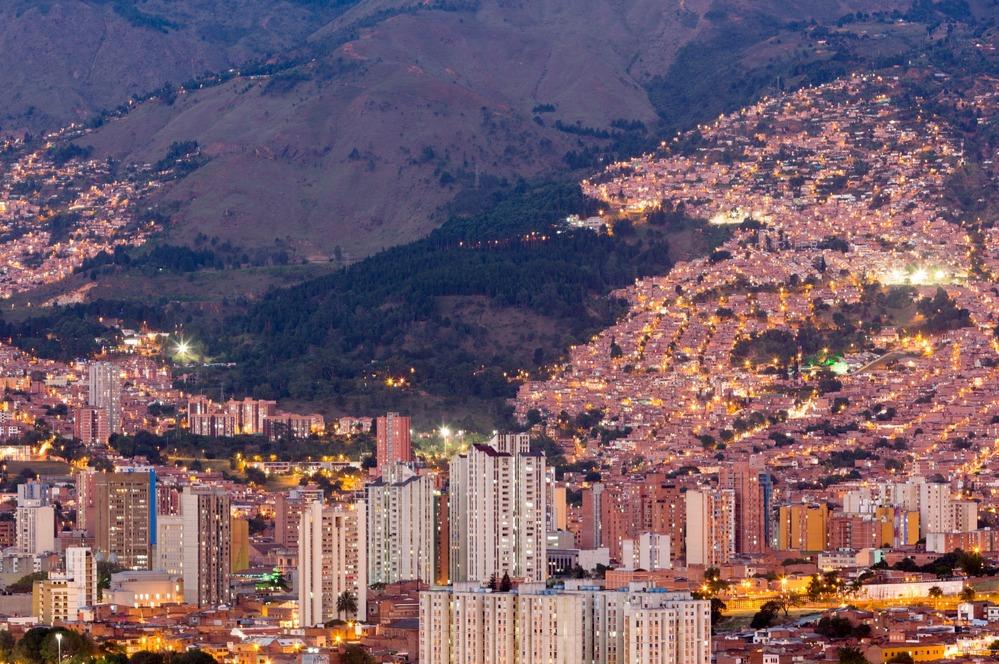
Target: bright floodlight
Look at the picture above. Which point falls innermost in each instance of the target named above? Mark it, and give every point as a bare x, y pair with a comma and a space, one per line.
445, 432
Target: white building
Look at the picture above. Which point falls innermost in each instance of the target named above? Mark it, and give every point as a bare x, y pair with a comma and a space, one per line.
81, 569
498, 511
104, 391
169, 555
651, 551
400, 528
34, 519
145, 589
331, 562
710, 527
534, 625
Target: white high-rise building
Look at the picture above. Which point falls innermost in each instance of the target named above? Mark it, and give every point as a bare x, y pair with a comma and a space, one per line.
651, 551
105, 392
533, 625
207, 546
81, 570
400, 529
169, 555
34, 519
935, 514
331, 562
710, 526
498, 511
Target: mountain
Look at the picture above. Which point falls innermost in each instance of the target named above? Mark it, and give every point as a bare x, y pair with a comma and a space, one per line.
389, 111
62, 60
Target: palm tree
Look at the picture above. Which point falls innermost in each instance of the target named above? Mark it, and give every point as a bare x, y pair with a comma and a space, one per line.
968, 594
346, 603
936, 592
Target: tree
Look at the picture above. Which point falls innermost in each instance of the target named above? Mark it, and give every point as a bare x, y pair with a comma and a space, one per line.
506, 585
717, 611
902, 658
355, 654
851, 655
6, 645
787, 601
766, 616
936, 592
346, 603
968, 594
193, 657
26, 582
146, 657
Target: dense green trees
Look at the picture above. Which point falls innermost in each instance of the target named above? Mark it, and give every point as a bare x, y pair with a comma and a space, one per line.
319, 339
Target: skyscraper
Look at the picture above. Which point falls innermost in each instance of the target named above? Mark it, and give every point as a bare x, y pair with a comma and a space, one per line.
497, 511
125, 517
394, 444
207, 546
105, 392
400, 530
331, 552
710, 526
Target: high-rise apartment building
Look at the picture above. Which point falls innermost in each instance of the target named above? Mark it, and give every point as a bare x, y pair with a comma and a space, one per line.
331, 562
393, 440
288, 507
104, 392
207, 546
533, 625
81, 568
125, 517
34, 519
91, 425
59, 598
649, 551
710, 526
751, 483
497, 511
400, 530
803, 527
169, 544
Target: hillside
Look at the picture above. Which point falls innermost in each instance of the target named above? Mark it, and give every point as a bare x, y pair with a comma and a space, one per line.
62, 60
399, 106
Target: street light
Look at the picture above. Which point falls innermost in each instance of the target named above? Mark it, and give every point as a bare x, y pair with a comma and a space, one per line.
59, 646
